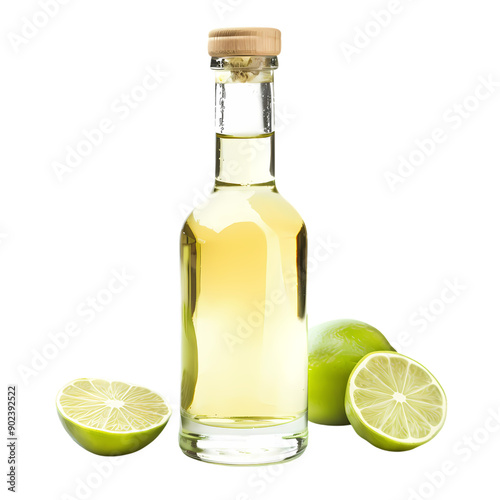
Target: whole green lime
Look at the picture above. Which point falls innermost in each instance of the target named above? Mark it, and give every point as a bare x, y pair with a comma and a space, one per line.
335, 348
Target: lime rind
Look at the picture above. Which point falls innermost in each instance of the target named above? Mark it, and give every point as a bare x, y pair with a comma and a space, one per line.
387, 422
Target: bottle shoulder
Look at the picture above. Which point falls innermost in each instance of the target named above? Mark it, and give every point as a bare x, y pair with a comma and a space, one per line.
261, 207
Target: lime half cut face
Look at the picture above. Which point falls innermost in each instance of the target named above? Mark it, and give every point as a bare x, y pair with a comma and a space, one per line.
111, 418
394, 402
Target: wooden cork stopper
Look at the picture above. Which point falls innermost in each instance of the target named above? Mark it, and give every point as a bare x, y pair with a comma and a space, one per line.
226, 42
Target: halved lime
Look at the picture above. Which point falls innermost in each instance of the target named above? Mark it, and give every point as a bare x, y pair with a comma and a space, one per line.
111, 418
394, 402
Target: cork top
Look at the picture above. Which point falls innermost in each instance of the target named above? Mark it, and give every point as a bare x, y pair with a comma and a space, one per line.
244, 42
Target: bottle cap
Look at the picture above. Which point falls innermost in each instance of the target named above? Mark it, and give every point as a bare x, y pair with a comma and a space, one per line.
226, 42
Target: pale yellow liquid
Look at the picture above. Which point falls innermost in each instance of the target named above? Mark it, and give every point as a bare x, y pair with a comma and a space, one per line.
244, 342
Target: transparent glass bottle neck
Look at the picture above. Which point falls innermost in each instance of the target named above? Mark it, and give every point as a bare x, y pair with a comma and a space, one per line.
244, 121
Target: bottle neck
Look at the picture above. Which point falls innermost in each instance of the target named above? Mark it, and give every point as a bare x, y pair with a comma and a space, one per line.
244, 121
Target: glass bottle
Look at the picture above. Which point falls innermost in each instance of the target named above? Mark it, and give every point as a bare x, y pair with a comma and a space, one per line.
243, 274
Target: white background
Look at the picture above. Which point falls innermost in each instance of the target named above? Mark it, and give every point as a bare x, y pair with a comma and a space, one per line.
343, 123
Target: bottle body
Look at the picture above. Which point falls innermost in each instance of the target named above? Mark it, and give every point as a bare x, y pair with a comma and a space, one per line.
246, 298
243, 260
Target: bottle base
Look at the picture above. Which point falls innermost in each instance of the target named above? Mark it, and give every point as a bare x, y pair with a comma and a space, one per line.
255, 446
